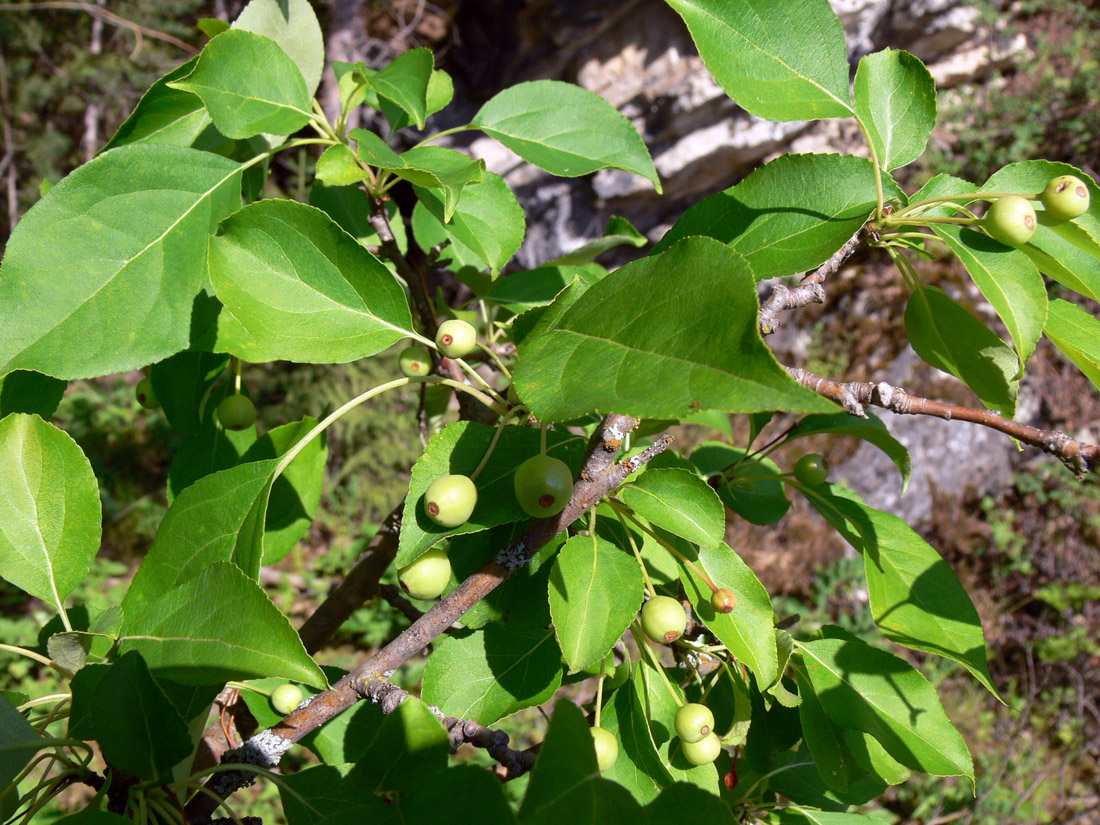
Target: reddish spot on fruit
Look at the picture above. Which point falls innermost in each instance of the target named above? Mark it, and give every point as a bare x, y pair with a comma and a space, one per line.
546, 500
433, 508
446, 340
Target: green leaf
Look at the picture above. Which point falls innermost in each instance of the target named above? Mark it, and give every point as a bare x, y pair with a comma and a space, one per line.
895, 99
410, 743
100, 275
681, 797
949, 338
867, 689
325, 792
595, 593
523, 290
29, 392
791, 816
338, 166
639, 768
790, 215
296, 493
429, 167
779, 59
458, 796
249, 85
488, 220
181, 384
441, 90
566, 785
19, 742
303, 288
916, 598
754, 490
93, 816
872, 758
698, 343
566, 130
190, 634
293, 25
349, 207
1006, 277
1077, 334
823, 738
209, 450
619, 232
487, 674
69, 650
749, 630
405, 82
121, 707
49, 509
680, 502
165, 115
870, 429
458, 449
207, 523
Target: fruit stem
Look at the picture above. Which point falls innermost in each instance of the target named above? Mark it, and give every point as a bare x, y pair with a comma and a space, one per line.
978, 196
599, 691
496, 437
633, 546
496, 359
542, 438
706, 579
438, 135
877, 166
497, 406
237, 375
642, 642
38, 657
476, 376
891, 221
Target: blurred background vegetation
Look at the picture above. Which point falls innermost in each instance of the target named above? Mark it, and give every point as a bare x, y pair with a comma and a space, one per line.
1029, 553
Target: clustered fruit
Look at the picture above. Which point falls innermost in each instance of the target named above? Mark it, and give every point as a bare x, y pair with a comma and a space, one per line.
428, 575
1012, 219
236, 412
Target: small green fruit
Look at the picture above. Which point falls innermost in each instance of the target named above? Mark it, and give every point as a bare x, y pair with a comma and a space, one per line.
693, 722
1065, 198
456, 339
723, 601
607, 748
543, 486
1010, 220
812, 469
449, 500
663, 619
236, 412
145, 395
286, 698
704, 751
427, 576
414, 362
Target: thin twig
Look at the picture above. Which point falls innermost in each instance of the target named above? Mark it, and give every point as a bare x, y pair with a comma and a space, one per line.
809, 290
360, 585
1078, 456
104, 15
599, 475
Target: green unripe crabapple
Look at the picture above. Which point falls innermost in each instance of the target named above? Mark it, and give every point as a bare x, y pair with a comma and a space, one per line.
456, 339
236, 412
414, 362
812, 469
607, 748
427, 576
543, 486
286, 698
663, 619
145, 395
704, 751
723, 601
449, 500
1065, 198
1011, 220
693, 722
